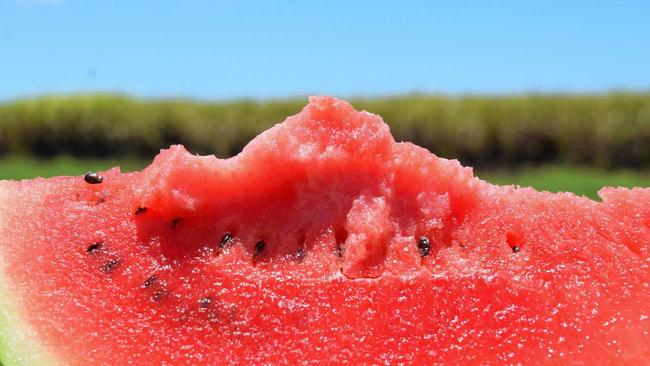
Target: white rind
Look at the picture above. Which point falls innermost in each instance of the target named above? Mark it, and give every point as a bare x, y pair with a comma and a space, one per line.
18, 345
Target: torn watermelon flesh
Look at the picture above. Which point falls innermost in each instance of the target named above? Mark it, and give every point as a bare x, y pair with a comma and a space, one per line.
340, 207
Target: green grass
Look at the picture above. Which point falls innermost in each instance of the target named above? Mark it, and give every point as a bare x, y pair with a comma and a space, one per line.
579, 180
27, 168
582, 181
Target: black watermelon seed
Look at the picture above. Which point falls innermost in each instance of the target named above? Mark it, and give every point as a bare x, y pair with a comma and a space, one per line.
175, 222
339, 250
140, 210
515, 249
95, 247
259, 247
93, 178
424, 246
150, 281
205, 302
109, 266
226, 240
300, 254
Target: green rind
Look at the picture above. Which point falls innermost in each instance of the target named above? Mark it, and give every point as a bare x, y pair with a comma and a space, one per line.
18, 343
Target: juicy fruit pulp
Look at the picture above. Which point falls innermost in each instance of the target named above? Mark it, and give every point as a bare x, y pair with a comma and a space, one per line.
323, 241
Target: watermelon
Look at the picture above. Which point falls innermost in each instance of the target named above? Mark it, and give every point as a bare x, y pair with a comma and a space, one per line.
323, 241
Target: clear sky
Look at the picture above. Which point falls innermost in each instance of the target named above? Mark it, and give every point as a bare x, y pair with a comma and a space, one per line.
262, 49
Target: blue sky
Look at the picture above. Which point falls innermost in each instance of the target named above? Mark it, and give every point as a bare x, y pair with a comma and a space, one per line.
267, 49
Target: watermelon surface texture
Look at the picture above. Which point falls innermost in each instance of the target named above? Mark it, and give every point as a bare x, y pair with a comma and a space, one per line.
324, 241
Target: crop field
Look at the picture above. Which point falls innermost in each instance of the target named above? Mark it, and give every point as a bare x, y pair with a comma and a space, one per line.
579, 180
576, 143
606, 131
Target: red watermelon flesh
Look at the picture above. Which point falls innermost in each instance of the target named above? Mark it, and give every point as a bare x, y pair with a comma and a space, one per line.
324, 241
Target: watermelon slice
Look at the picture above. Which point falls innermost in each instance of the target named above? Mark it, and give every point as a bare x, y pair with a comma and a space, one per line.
324, 241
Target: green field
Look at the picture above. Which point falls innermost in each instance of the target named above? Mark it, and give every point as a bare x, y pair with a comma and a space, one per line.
26, 168
580, 180
604, 130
